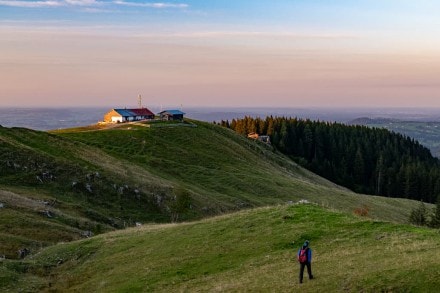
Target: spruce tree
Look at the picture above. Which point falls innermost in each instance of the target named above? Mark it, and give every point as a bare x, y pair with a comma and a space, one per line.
359, 167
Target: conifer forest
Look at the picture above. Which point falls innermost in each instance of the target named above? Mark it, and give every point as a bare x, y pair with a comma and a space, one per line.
365, 160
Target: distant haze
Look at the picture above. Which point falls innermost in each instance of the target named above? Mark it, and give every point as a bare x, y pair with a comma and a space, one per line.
220, 53
56, 118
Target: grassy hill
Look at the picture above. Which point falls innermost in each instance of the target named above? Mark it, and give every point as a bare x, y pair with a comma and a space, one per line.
58, 188
224, 171
252, 251
73, 183
66, 185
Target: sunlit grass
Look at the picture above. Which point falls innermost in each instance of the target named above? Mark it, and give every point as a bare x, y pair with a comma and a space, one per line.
251, 251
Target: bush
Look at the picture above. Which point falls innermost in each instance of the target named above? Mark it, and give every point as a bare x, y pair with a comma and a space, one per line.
418, 215
362, 211
181, 203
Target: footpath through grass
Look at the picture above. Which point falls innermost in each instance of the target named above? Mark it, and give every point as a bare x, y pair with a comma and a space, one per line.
252, 251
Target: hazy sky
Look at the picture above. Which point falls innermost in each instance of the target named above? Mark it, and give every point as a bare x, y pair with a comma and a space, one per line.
220, 53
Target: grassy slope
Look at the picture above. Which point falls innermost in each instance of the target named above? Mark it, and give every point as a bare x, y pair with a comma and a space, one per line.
221, 171
25, 154
225, 171
247, 251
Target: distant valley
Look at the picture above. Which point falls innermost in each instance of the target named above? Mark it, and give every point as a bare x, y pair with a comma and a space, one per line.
426, 132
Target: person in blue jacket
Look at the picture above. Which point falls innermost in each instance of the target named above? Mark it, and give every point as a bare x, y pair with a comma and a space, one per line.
305, 259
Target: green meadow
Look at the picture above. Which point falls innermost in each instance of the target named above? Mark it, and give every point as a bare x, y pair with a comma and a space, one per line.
192, 207
250, 251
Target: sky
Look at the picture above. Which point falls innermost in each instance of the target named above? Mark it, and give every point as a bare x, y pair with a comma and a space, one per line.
240, 53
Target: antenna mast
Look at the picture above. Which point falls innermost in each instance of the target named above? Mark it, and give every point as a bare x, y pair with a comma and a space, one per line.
140, 101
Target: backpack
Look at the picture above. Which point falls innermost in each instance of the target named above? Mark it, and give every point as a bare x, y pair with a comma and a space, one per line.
302, 257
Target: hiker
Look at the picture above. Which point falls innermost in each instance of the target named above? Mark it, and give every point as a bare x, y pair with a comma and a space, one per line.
305, 259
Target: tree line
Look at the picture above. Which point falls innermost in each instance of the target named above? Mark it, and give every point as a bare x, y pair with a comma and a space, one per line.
366, 160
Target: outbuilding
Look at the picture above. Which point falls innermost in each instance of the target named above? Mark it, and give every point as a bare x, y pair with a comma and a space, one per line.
170, 115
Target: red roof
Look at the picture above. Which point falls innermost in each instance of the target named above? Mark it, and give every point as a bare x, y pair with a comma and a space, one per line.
142, 112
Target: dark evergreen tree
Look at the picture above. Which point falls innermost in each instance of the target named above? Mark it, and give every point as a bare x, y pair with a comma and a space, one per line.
359, 167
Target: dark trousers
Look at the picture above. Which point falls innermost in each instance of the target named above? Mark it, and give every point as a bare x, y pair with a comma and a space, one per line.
301, 271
